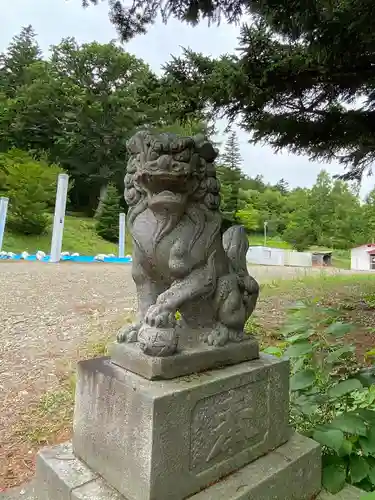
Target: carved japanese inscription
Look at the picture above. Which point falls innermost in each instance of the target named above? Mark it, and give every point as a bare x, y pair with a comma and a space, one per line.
228, 423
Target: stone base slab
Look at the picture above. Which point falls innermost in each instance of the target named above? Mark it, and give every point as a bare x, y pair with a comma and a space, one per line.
186, 362
24, 492
28, 493
143, 436
292, 472
348, 493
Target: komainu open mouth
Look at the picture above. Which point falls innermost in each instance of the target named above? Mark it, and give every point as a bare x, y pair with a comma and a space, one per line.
158, 183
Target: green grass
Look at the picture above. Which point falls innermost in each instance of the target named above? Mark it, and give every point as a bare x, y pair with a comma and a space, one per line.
275, 242
79, 236
317, 285
352, 295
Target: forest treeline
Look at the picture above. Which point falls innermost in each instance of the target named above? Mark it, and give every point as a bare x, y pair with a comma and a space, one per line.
74, 109
329, 214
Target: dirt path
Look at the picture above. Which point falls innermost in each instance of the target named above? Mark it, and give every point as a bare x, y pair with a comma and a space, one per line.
47, 312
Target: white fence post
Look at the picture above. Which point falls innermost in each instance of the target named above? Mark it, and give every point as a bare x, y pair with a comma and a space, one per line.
3, 216
121, 239
58, 221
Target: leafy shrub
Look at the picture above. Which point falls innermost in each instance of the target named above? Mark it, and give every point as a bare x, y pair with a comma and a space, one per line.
30, 186
107, 222
328, 402
248, 217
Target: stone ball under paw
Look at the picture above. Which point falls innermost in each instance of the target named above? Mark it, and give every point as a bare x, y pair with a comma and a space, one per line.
158, 342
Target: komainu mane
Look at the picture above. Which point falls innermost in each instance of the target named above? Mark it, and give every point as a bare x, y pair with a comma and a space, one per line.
191, 280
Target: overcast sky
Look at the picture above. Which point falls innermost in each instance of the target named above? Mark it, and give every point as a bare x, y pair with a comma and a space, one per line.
55, 19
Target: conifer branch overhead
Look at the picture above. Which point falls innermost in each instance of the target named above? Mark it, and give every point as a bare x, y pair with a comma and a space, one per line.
302, 80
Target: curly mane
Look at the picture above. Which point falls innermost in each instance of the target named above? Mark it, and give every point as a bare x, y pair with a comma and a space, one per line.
197, 151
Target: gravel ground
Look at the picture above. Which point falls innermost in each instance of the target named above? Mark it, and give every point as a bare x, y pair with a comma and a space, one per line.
48, 311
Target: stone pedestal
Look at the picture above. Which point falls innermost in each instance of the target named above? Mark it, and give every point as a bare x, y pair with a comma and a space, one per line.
188, 432
218, 434
194, 359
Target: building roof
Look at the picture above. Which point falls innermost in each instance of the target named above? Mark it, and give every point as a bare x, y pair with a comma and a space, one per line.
368, 245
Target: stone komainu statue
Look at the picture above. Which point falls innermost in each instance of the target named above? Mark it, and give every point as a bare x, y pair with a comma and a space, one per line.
189, 277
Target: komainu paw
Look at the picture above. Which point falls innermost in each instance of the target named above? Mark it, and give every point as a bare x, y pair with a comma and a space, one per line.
128, 333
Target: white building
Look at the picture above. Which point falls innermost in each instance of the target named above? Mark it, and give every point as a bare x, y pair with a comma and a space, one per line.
278, 257
363, 258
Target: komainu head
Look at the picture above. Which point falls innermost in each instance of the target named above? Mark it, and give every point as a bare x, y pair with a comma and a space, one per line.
165, 172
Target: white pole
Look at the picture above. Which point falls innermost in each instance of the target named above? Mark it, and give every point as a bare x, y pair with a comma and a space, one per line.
3, 216
265, 233
121, 239
58, 221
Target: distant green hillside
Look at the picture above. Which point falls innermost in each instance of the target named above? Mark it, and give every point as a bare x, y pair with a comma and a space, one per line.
79, 236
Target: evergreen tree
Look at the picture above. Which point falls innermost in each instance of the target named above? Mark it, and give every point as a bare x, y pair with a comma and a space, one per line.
369, 215
282, 186
16, 62
321, 208
253, 183
107, 221
230, 175
232, 153
229, 182
329, 214
301, 67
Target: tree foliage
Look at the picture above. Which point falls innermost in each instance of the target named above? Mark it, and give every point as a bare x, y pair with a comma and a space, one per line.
231, 156
330, 398
303, 78
330, 214
30, 186
369, 210
15, 64
141, 14
79, 106
102, 113
230, 177
107, 222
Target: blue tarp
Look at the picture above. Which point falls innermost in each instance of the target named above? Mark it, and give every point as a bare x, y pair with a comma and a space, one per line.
79, 258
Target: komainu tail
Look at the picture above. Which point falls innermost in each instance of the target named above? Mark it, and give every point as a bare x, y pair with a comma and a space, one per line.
236, 245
